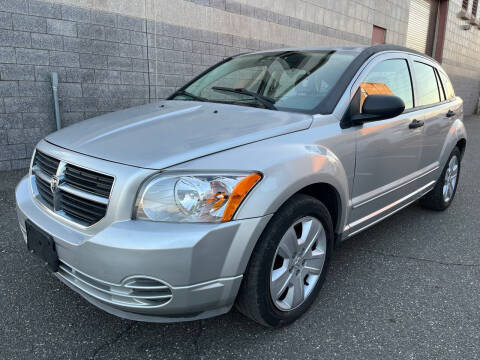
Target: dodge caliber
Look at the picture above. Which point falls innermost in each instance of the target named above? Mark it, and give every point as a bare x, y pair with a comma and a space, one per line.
236, 189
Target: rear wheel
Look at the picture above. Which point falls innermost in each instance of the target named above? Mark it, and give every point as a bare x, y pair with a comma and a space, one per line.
289, 263
444, 191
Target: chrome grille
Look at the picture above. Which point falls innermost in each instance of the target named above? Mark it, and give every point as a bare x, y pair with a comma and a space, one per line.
83, 209
44, 191
77, 194
88, 180
47, 164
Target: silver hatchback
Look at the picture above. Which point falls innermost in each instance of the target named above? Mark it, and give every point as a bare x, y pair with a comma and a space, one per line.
236, 189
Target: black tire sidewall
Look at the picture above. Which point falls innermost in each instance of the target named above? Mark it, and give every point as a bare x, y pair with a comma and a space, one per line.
295, 209
445, 204
455, 152
434, 200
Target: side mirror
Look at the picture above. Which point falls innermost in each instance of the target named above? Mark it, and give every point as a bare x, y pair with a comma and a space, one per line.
379, 107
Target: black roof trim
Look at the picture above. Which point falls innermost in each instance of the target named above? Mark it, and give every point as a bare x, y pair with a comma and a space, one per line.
386, 47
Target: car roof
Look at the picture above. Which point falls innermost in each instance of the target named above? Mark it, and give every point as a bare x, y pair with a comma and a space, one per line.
357, 49
361, 49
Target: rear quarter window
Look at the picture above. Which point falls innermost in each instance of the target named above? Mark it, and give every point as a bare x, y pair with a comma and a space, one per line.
447, 86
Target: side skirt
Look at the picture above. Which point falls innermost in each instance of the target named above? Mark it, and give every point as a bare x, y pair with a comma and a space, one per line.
381, 214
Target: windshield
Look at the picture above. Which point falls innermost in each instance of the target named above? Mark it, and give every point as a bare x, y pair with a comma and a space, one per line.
288, 81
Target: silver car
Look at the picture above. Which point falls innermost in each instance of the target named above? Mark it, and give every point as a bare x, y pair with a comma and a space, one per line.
236, 189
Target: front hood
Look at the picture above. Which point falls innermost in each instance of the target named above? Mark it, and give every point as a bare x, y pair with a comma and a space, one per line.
167, 133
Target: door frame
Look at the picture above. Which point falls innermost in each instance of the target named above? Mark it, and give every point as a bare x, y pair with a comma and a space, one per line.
377, 214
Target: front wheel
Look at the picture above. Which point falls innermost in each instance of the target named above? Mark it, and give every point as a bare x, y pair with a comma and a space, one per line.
444, 191
289, 263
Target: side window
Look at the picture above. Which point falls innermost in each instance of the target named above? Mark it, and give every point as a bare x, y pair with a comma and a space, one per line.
428, 92
447, 86
390, 77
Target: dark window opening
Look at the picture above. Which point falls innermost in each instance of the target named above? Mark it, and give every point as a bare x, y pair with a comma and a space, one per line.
474, 8
379, 35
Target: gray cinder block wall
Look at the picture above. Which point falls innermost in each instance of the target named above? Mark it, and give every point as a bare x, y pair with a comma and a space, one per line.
116, 54
461, 56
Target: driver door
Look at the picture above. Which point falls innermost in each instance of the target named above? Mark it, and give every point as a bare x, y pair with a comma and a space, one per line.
387, 152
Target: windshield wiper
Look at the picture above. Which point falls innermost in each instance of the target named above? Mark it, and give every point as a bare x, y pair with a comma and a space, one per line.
265, 101
186, 93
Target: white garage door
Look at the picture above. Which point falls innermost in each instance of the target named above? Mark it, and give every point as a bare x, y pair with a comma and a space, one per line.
421, 25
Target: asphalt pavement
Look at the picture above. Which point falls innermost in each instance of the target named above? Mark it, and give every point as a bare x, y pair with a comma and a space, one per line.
408, 288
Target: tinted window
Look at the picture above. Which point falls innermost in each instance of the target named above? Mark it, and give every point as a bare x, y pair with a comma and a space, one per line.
447, 86
292, 80
390, 77
427, 84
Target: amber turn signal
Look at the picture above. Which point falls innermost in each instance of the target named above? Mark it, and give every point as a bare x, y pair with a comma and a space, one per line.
240, 191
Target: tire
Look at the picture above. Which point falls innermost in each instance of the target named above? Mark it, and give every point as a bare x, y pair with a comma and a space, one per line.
436, 199
256, 295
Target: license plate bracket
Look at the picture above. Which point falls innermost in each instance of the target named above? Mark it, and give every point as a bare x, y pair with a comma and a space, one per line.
42, 245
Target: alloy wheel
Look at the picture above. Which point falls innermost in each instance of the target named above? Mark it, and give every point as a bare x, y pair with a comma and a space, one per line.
450, 180
298, 263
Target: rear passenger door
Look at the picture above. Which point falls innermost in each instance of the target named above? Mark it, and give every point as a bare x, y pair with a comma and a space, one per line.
437, 108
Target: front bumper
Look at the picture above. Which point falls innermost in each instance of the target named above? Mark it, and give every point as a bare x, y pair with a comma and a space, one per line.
149, 271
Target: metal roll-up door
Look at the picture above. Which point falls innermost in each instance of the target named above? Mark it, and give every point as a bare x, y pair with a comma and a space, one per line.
422, 23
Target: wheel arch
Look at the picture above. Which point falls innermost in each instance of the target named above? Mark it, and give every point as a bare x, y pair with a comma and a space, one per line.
329, 196
456, 137
329, 186
462, 145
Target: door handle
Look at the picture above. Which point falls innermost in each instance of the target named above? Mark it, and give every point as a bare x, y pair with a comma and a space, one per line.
451, 113
416, 124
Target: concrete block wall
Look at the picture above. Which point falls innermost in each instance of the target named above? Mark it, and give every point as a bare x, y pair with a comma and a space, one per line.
101, 59
113, 54
461, 56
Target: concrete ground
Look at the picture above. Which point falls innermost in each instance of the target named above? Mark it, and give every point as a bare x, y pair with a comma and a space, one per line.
408, 288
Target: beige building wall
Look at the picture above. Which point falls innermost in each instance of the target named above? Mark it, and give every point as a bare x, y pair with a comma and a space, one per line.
461, 57
113, 54
241, 19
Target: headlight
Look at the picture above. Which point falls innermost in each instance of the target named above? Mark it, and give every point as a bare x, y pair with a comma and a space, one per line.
193, 198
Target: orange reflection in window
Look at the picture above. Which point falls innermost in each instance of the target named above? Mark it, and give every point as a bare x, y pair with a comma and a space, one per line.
373, 88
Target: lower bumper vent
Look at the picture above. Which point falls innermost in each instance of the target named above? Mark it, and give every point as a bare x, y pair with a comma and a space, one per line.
135, 292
